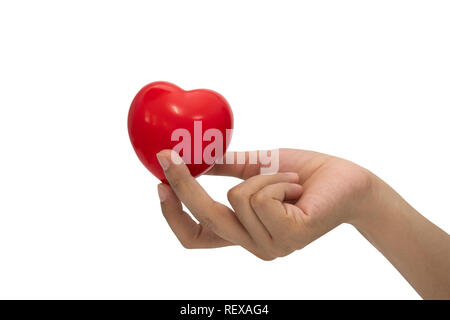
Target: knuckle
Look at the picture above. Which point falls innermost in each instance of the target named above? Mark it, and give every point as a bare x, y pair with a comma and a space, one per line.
235, 194
301, 245
207, 222
187, 244
258, 199
265, 256
283, 247
190, 243
264, 253
284, 251
232, 194
268, 258
363, 181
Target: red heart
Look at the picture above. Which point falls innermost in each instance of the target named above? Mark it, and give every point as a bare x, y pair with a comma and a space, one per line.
162, 112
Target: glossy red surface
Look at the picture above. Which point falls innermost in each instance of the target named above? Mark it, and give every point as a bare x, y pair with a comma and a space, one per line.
160, 108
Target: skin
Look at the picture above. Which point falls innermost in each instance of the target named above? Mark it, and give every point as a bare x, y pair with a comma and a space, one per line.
275, 215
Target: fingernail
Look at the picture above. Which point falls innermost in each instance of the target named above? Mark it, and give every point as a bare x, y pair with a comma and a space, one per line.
175, 157
163, 161
162, 193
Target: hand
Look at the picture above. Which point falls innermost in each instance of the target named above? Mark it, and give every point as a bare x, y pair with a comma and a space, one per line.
312, 194
274, 215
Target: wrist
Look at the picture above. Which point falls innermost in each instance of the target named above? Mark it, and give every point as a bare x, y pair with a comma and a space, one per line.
414, 246
380, 208
372, 203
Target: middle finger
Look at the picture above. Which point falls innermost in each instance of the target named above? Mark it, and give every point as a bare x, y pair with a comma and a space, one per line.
239, 198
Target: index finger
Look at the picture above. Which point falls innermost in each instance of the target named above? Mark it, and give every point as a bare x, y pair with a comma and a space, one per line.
246, 164
214, 215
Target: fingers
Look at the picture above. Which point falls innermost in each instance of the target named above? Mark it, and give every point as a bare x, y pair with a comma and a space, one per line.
189, 233
261, 212
239, 198
247, 164
269, 206
241, 165
211, 214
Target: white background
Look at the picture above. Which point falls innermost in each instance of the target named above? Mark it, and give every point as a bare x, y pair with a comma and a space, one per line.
79, 215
